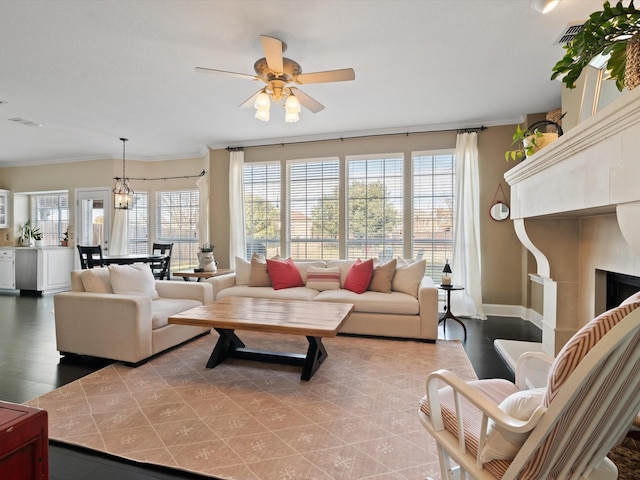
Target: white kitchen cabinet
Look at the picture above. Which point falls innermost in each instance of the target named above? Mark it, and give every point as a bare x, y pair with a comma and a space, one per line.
7, 268
4, 208
43, 270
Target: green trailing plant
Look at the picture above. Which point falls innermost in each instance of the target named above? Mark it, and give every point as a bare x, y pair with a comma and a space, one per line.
518, 139
606, 32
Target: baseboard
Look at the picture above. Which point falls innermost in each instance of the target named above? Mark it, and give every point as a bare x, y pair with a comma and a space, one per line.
517, 311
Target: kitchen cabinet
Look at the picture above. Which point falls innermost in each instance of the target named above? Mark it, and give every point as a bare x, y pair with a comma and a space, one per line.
4, 208
43, 270
7, 268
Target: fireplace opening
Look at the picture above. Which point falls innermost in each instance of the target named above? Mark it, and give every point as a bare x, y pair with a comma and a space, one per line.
620, 287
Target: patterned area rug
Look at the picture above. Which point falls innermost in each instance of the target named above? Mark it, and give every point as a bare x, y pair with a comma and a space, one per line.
356, 418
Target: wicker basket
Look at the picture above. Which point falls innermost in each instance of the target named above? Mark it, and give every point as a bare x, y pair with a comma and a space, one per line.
632, 69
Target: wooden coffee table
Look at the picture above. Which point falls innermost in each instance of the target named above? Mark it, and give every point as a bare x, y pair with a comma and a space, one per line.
314, 320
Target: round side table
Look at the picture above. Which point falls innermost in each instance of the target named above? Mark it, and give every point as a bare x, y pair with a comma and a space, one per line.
447, 312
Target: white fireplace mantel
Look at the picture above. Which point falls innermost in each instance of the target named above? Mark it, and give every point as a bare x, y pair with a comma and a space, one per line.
593, 169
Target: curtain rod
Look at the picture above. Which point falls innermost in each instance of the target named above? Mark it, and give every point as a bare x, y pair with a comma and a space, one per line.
164, 178
342, 139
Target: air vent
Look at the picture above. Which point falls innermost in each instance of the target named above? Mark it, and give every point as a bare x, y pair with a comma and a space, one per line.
570, 31
27, 123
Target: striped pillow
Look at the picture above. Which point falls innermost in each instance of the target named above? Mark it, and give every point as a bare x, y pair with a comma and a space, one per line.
580, 344
323, 278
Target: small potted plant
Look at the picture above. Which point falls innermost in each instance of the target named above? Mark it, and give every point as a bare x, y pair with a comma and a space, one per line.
65, 238
206, 261
614, 31
530, 140
30, 235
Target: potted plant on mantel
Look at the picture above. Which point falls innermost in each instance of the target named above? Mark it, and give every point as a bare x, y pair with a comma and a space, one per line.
530, 140
614, 31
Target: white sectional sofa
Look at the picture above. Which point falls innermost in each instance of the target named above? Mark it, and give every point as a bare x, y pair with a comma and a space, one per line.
124, 317
408, 311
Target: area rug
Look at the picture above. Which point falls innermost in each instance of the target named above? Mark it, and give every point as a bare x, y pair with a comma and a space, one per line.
356, 418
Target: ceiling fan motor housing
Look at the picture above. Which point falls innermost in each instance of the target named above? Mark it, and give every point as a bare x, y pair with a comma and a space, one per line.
291, 70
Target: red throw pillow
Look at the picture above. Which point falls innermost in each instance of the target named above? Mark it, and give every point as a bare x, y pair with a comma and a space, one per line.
359, 276
284, 274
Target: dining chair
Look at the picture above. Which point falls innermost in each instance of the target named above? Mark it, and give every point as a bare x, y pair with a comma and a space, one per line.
162, 269
90, 256
493, 429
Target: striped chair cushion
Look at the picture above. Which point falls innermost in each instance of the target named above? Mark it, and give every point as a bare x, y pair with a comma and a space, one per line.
580, 344
496, 390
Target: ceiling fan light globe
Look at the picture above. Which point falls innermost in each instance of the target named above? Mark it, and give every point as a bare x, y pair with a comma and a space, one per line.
292, 105
544, 6
291, 117
262, 114
262, 101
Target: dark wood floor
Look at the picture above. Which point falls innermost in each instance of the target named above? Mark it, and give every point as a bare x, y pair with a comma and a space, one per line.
31, 366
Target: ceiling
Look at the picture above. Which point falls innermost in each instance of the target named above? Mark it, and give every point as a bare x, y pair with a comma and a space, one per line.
93, 71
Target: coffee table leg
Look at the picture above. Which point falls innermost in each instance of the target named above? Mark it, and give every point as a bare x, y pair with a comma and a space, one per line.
316, 354
227, 342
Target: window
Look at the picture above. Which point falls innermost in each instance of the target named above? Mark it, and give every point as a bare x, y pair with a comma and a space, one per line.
51, 214
374, 207
178, 222
139, 224
262, 208
380, 206
433, 209
314, 209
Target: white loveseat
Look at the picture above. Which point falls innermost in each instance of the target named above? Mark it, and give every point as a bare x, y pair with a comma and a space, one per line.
125, 321
396, 314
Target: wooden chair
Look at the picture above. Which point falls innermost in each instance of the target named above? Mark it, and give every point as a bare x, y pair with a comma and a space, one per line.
587, 406
162, 269
90, 256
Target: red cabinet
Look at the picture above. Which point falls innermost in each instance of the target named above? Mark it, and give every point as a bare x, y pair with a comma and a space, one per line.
24, 443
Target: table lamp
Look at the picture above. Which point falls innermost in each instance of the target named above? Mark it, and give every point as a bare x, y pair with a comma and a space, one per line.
446, 277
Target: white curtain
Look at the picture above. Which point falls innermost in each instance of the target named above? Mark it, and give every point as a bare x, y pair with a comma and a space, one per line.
237, 242
466, 261
203, 188
120, 233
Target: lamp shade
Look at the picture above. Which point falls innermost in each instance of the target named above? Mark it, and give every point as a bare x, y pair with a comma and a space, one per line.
447, 267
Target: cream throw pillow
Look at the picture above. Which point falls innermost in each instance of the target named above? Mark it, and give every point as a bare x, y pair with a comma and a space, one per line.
96, 280
259, 276
382, 276
135, 279
407, 278
501, 444
323, 278
243, 271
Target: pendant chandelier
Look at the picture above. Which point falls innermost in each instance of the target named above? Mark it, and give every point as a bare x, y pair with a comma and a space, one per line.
122, 193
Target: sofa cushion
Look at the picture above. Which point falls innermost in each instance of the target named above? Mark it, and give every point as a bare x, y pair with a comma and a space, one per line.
295, 293
96, 280
135, 279
284, 274
359, 276
408, 277
243, 271
382, 276
373, 302
259, 276
163, 308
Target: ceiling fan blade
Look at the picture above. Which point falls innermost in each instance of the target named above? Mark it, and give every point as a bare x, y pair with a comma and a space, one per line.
249, 102
342, 75
224, 72
306, 101
272, 52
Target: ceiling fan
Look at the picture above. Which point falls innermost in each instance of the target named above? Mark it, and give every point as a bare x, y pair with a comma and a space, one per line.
278, 72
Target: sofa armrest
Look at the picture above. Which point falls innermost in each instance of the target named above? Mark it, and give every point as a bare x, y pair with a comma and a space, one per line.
428, 301
221, 282
103, 325
200, 291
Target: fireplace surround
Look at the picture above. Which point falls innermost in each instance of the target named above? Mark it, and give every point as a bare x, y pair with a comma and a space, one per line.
575, 206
